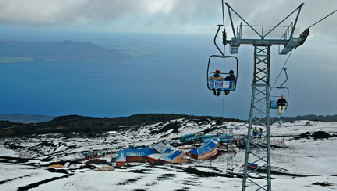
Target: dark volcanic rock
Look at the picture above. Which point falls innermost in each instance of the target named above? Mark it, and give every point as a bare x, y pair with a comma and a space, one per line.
320, 135
303, 135
37, 184
323, 184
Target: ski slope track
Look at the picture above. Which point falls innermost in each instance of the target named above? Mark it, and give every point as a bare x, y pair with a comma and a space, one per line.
302, 160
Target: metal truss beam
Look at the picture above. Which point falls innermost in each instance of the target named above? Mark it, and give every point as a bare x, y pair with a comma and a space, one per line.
258, 148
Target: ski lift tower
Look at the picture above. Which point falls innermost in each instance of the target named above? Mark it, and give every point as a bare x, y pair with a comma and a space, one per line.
257, 152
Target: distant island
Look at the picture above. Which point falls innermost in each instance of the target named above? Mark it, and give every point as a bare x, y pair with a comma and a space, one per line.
21, 52
9, 60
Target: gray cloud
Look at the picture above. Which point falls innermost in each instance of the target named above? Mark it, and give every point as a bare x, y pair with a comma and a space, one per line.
185, 15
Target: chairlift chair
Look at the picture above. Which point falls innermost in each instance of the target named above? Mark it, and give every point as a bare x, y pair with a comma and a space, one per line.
281, 91
221, 84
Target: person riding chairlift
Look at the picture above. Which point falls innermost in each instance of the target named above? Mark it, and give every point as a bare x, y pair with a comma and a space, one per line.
231, 77
281, 105
216, 76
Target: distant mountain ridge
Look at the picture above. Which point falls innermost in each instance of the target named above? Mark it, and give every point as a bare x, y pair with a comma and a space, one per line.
311, 117
55, 51
25, 118
91, 126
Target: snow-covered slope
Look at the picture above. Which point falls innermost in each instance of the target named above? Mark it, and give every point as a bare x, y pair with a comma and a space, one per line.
301, 156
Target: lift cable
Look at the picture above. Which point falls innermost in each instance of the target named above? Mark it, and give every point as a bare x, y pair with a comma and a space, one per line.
298, 9
222, 52
287, 77
230, 10
322, 19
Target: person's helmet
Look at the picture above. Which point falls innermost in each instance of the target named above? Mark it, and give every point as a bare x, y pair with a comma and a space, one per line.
231, 72
217, 71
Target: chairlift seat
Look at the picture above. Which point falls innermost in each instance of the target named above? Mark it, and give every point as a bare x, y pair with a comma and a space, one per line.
273, 104
222, 84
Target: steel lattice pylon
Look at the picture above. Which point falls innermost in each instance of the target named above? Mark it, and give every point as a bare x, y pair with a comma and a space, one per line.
256, 175
258, 146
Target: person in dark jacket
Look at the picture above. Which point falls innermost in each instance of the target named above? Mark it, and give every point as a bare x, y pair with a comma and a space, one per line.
216, 76
231, 77
281, 105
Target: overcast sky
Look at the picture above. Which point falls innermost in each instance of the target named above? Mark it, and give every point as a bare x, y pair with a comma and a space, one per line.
316, 59
157, 16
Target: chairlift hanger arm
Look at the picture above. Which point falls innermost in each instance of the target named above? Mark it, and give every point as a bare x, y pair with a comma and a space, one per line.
287, 77
284, 70
224, 40
215, 39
